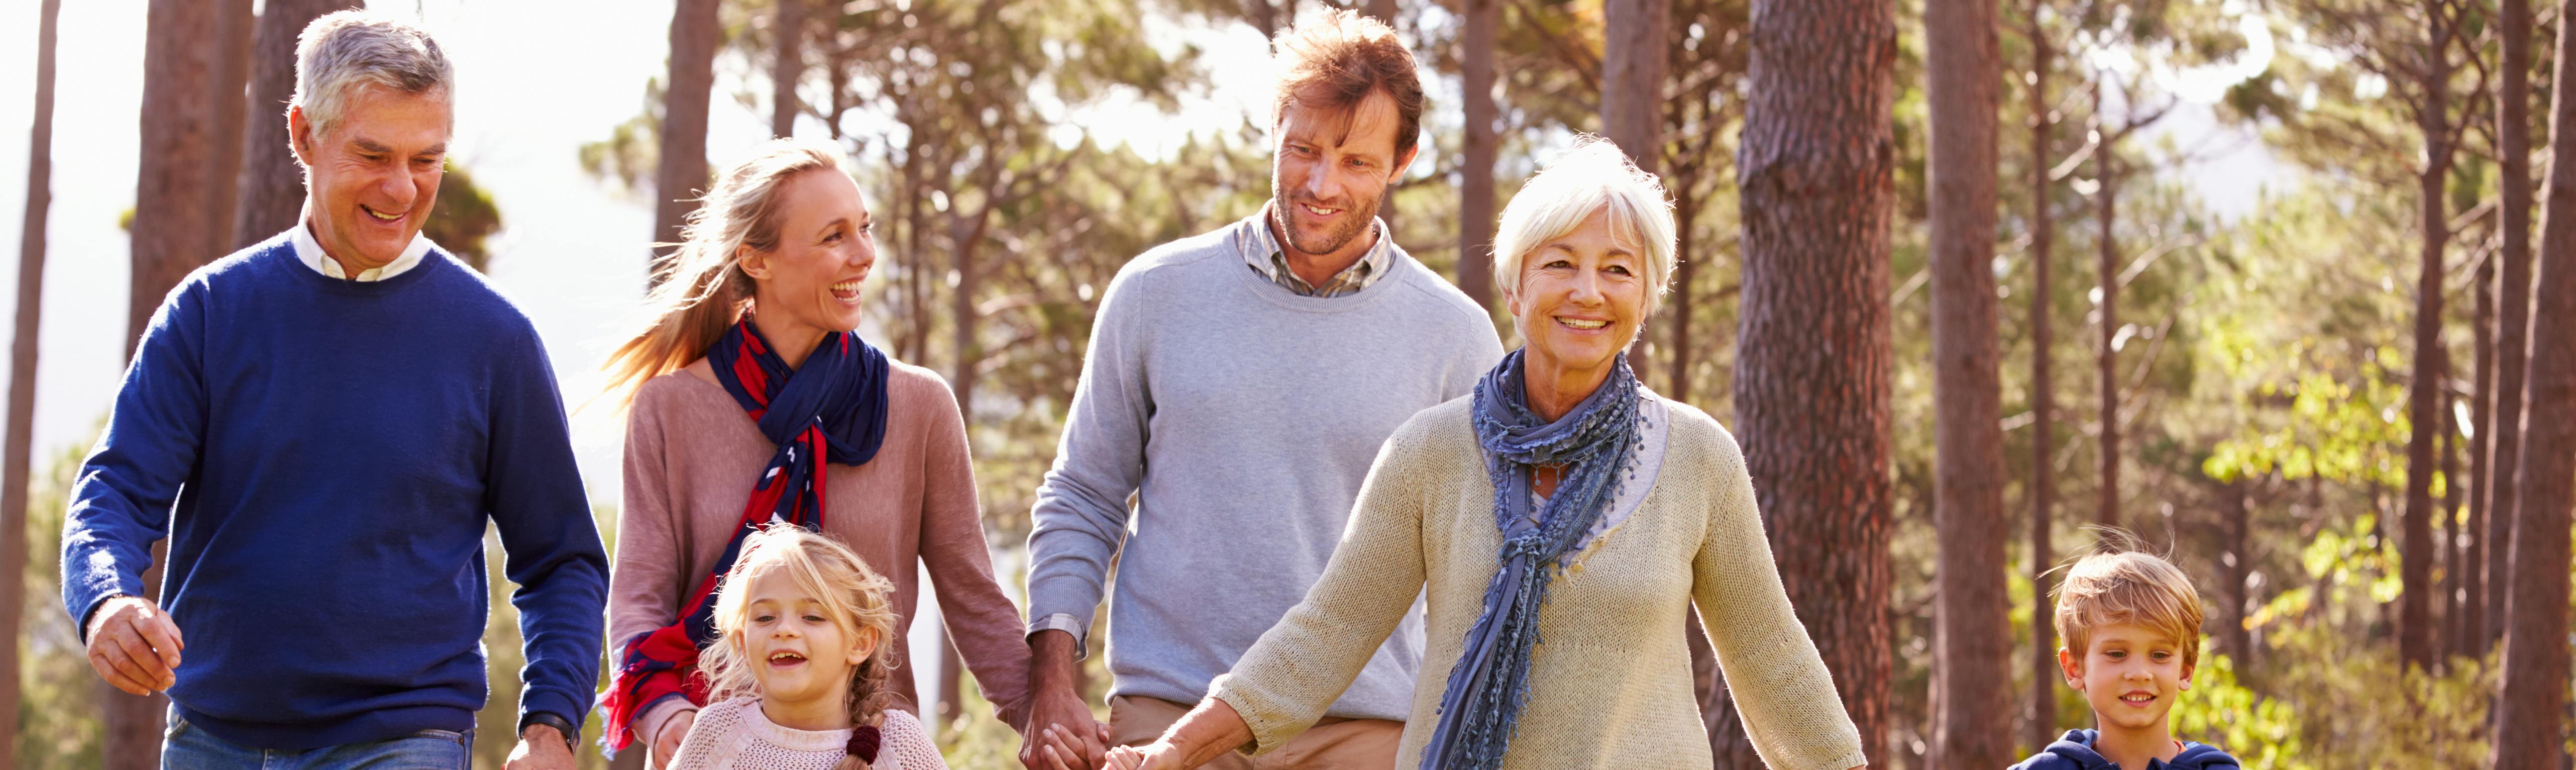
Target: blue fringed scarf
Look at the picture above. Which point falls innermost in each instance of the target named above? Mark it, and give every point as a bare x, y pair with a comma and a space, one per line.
1491, 681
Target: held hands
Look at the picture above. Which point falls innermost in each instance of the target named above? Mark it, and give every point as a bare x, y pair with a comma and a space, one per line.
1063, 735
134, 646
1160, 755
540, 747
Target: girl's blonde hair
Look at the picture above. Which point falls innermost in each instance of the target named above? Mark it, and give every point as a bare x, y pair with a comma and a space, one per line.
702, 289
855, 597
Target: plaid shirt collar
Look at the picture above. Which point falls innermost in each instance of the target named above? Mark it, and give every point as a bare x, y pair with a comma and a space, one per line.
1262, 253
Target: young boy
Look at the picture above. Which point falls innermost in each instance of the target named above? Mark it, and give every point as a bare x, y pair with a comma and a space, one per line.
2131, 622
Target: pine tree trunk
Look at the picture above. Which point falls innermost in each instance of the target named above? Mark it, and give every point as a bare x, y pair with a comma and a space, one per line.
2106, 174
1971, 629
1634, 35
787, 66
1476, 170
2529, 725
2513, 301
1812, 376
232, 33
683, 172
2472, 625
2239, 642
270, 190
16, 463
2446, 601
2415, 568
2043, 469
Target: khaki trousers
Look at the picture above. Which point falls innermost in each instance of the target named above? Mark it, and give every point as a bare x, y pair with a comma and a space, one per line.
1332, 744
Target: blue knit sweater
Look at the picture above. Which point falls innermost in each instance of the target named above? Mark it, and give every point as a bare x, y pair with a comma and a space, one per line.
322, 455
2074, 751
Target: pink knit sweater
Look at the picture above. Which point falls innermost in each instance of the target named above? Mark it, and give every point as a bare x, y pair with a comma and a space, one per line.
691, 456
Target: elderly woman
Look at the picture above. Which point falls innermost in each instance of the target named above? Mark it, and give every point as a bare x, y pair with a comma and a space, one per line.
751, 398
1558, 522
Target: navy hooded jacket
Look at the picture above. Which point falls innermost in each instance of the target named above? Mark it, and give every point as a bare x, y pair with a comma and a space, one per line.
2074, 751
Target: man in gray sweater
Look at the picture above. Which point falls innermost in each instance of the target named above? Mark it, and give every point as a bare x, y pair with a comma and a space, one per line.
1238, 385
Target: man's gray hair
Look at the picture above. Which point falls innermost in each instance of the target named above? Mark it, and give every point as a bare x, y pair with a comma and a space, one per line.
344, 50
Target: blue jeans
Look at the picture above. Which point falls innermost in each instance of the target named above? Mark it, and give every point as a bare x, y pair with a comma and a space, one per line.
185, 747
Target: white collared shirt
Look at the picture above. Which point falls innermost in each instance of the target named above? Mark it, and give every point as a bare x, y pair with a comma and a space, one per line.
310, 250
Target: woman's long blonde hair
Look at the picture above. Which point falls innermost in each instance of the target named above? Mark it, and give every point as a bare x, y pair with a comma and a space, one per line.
855, 597
703, 288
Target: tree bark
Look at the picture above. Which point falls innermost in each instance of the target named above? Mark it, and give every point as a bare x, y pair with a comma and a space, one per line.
1971, 627
788, 25
16, 464
270, 191
2106, 358
2529, 725
2446, 600
173, 220
2472, 624
1632, 77
684, 123
2043, 407
232, 33
1812, 377
2513, 301
1476, 171
2239, 564
1634, 35
2415, 568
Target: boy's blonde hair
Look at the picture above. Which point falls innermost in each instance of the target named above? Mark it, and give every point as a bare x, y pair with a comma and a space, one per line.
855, 597
2132, 587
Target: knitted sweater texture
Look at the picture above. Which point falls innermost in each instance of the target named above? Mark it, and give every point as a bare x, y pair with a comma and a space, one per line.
1610, 682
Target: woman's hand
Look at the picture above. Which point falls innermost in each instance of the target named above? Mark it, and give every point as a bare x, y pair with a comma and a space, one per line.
666, 744
1159, 755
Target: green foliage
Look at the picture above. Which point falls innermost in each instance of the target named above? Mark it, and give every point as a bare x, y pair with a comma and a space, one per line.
2220, 711
494, 736
58, 724
463, 217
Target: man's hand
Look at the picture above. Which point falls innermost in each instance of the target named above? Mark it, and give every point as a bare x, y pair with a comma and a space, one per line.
541, 747
133, 645
667, 744
1062, 734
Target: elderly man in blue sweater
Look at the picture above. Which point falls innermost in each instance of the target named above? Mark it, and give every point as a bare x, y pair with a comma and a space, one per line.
321, 424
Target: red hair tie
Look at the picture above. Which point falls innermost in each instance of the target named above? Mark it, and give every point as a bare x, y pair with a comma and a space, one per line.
864, 741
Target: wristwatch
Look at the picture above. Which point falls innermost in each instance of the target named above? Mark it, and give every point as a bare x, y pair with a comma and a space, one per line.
571, 734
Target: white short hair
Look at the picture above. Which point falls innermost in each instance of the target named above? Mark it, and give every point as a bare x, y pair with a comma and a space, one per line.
343, 50
1593, 176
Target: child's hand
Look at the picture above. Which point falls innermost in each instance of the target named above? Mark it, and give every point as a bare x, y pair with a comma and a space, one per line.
667, 743
1155, 756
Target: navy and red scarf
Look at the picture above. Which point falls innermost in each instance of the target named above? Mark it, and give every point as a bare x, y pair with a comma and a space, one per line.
832, 409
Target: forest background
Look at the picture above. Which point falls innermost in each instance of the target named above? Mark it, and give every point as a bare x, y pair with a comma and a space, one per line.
2252, 279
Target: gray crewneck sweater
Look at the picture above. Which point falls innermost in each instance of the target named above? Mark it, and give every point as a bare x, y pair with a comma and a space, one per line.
1242, 417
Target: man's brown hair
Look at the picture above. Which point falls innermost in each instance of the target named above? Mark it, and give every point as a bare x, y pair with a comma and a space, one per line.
1336, 59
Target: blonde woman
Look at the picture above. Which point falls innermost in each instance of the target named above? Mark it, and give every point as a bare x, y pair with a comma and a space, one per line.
1557, 523
751, 400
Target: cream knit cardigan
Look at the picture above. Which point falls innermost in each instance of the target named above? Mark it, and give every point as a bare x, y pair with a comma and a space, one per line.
1610, 681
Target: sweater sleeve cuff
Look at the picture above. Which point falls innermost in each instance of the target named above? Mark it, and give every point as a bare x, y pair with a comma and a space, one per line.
658, 713
1067, 623
1271, 726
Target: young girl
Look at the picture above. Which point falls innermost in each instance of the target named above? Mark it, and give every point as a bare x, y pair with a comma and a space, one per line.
797, 677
